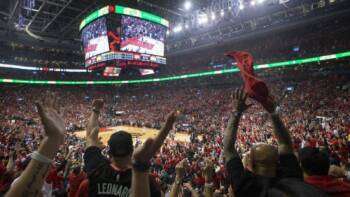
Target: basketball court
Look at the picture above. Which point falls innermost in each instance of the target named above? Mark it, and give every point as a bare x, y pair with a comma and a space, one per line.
141, 133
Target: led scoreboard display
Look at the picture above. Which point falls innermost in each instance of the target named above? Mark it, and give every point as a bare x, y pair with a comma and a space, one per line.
127, 56
124, 36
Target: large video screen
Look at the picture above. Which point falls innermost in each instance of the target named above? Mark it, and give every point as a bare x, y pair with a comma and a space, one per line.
142, 36
95, 39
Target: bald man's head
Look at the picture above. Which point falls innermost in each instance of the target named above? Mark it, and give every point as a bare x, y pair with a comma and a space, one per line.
264, 159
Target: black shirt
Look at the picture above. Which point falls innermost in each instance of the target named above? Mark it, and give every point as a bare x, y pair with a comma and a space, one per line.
246, 183
104, 180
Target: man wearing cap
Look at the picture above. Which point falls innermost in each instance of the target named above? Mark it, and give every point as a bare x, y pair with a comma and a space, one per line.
110, 177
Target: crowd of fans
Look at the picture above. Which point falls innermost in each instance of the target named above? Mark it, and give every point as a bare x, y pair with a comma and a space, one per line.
231, 150
94, 30
134, 28
314, 110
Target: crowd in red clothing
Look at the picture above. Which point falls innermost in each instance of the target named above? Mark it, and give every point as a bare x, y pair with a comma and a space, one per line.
314, 110
313, 103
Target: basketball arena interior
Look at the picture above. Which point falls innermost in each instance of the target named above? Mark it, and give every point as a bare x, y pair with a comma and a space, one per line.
174, 98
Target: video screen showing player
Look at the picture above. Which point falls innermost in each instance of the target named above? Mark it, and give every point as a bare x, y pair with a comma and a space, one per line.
114, 32
142, 36
95, 40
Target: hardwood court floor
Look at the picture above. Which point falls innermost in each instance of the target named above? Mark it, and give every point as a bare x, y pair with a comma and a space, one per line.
142, 133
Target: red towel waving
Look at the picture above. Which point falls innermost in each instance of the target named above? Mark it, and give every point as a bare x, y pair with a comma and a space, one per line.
254, 87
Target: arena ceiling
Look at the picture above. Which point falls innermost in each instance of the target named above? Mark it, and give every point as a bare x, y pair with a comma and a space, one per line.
60, 19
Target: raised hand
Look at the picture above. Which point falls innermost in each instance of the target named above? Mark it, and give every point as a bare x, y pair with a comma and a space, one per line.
240, 98
145, 152
31, 180
171, 118
230, 135
97, 104
53, 123
208, 171
180, 169
92, 127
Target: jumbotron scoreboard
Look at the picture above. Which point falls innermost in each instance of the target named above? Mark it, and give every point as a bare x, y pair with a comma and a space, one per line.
117, 37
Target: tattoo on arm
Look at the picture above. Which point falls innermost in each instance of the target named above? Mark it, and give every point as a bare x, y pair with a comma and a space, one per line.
31, 189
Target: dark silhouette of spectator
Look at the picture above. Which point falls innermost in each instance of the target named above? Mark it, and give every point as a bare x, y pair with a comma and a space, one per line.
316, 164
273, 172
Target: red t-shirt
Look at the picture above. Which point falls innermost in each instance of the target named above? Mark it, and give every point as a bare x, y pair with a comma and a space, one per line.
312, 143
83, 189
199, 180
330, 185
74, 182
55, 179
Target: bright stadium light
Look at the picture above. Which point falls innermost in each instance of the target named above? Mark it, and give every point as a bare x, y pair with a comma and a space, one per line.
205, 19
213, 16
260, 1
241, 6
202, 19
187, 5
252, 3
222, 13
178, 28
186, 26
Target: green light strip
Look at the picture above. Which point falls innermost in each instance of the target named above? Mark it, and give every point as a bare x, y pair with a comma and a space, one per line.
141, 14
93, 16
125, 11
185, 76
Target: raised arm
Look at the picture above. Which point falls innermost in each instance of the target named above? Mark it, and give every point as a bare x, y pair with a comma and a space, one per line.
93, 124
282, 135
284, 140
31, 180
68, 164
232, 126
10, 167
11, 163
180, 173
209, 173
288, 163
142, 156
93, 156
